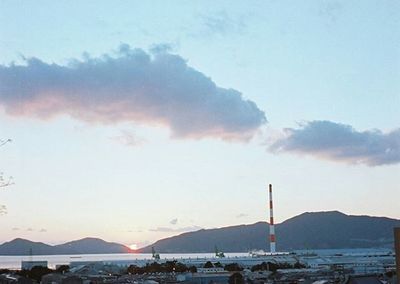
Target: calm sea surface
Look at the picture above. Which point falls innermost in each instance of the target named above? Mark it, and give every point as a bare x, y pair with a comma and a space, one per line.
14, 262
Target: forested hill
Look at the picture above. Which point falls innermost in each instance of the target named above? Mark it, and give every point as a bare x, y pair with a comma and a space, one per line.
84, 246
317, 230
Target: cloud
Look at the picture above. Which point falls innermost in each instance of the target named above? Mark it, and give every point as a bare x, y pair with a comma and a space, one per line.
241, 215
3, 210
29, 230
128, 138
5, 182
221, 23
176, 230
330, 9
4, 141
341, 142
174, 221
143, 244
135, 231
130, 85
42, 231
15, 229
161, 48
138, 230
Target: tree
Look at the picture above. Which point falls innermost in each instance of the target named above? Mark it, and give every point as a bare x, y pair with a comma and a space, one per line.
4, 182
298, 265
233, 267
36, 273
236, 278
4, 271
155, 267
62, 268
265, 266
180, 267
174, 266
134, 269
208, 264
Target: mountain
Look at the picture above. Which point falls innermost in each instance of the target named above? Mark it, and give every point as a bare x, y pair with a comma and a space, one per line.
92, 246
23, 247
317, 230
311, 230
83, 246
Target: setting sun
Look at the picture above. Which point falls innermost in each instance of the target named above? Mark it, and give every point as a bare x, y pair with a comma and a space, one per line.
133, 246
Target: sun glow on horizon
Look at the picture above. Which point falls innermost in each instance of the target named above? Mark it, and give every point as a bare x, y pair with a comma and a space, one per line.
133, 246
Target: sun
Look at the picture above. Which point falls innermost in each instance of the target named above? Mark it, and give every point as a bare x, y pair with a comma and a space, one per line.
133, 246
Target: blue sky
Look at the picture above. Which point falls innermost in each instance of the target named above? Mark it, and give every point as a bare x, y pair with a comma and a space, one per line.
195, 108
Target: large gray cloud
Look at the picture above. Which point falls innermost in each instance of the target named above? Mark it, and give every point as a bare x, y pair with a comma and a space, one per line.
130, 85
340, 142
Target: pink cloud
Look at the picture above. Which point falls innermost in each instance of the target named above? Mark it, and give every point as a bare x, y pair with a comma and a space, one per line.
130, 85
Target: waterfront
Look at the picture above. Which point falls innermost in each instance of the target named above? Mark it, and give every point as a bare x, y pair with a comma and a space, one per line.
14, 262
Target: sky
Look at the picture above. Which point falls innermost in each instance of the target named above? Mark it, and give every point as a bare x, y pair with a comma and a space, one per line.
137, 120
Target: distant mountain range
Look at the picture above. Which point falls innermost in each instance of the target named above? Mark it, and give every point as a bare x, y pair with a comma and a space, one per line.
83, 246
318, 230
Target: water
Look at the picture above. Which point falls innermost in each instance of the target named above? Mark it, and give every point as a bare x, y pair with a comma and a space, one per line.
14, 262
354, 251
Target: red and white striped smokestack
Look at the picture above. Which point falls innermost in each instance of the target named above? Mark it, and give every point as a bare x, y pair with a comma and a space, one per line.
271, 223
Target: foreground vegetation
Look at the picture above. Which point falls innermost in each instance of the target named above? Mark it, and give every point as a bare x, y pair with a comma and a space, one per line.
37, 272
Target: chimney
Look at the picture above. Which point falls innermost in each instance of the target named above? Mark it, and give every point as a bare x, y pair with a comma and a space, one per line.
397, 251
271, 223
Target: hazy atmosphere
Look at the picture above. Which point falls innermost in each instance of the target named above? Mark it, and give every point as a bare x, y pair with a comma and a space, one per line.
137, 120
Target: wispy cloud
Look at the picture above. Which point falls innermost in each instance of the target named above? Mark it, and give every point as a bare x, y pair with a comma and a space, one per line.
221, 23
3, 210
341, 142
4, 141
176, 230
29, 229
5, 181
330, 9
15, 229
42, 230
241, 215
137, 230
130, 85
129, 138
174, 221
143, 244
